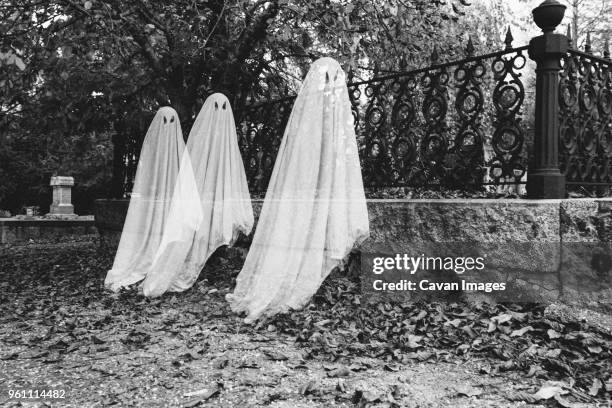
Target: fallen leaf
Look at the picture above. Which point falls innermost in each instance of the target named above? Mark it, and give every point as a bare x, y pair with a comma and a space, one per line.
553, 353
422, 314
596, 386
102, 369
413, 341
396, 392
96, 340
339, 372
564, 403
454, 322
363, 399
521, 396
53, 357
358, 367
220, 363
10, 356
274, 396
190, 404
549, 390
469, 331
595, 349
534, 370
507, 366
252, 364
323, 322
307, 388
521, 332
485, 369
190, 355
423, 355
391, 367
609, 385
275, 355
35, 354
502, 318
467, 390
204, 394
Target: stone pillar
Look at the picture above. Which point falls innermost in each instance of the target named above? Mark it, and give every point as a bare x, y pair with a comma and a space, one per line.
544, 179
62, 196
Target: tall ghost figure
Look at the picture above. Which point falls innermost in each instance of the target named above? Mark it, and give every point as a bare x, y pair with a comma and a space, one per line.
156, 177
223, 196
315, 209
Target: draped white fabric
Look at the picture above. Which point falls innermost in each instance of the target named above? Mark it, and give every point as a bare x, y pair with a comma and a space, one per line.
222, 193
156, 176
315, 209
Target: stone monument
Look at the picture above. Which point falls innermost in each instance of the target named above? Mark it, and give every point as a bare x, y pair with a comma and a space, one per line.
62, 196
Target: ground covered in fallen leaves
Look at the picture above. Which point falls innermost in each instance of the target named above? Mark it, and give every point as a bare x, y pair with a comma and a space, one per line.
60, 328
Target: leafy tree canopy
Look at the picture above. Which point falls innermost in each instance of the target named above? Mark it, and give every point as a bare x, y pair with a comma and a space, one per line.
74, 70
83, 58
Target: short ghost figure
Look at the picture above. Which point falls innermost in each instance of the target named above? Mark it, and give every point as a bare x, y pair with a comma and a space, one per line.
156, 176
220, 186
315, 209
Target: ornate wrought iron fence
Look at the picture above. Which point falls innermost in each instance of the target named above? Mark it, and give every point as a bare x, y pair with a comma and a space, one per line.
260, 130
130, 134
585, 101
431, 126
456, 124
459, 124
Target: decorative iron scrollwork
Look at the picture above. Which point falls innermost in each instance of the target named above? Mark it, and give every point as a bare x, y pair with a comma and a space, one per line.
406, 134
404, 114
431, 126
508, 137
585, 110
434, 145
469, 141
260, 132
376, 166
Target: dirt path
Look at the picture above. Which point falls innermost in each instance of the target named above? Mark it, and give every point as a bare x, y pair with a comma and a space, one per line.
161, 365
59, 328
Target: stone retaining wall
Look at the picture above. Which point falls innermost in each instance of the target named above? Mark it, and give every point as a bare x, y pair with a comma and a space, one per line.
487, 220
558, 249
14, 230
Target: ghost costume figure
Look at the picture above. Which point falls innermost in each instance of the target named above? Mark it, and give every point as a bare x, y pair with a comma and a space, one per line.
315, 210
156, 176
224, 204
